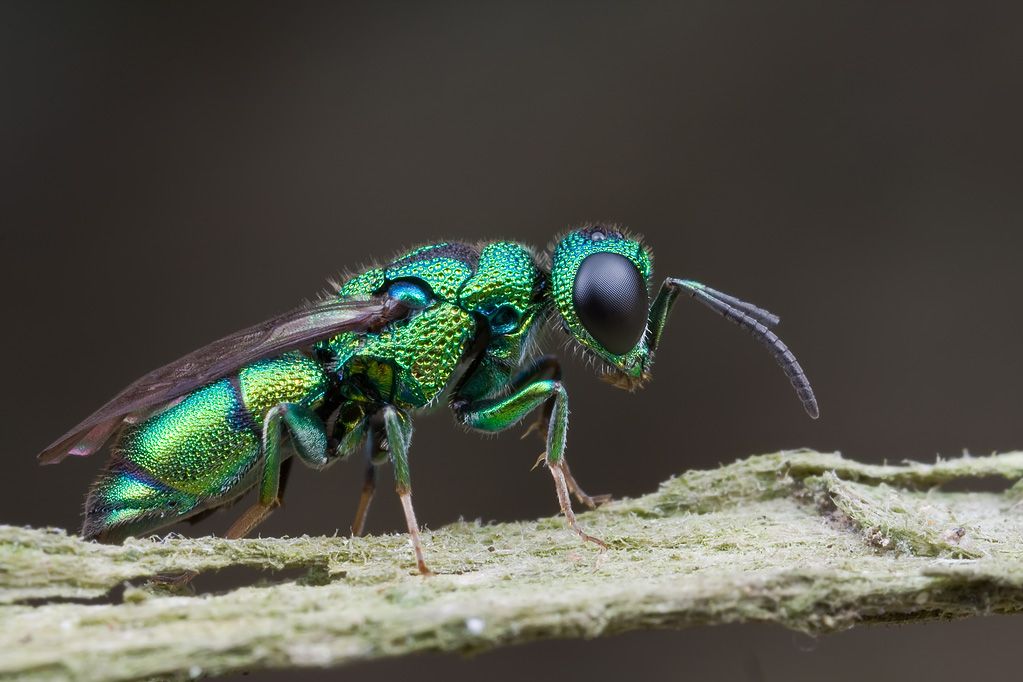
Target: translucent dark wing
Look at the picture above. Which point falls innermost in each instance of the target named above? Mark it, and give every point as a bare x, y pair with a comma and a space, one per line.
295, 329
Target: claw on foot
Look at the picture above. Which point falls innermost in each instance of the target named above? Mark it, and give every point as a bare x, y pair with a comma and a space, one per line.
539, 427
586, 537
539, 460
591, 501
561, 485
413, 530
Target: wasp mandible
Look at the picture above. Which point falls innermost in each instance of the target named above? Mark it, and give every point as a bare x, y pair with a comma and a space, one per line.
346, 374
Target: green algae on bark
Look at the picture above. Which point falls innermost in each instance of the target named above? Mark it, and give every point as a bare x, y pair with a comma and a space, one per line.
809, 540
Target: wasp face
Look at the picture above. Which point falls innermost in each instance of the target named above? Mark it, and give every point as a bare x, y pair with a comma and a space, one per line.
600, 282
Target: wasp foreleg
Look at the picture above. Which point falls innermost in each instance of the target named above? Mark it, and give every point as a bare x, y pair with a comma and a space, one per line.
591, 501
560, 485
309, 437
530, 390
546, 367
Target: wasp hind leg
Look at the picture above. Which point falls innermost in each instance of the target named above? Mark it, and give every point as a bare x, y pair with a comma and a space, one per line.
375, 456
309, 437
369, 486
310, 440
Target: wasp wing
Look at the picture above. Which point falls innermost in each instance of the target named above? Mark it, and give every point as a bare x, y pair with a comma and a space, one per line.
295, 329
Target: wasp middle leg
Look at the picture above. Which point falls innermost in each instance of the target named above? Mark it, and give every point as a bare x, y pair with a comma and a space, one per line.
398, 427
309, 436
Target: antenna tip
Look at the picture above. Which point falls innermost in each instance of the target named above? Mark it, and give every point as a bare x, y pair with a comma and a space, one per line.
812, 409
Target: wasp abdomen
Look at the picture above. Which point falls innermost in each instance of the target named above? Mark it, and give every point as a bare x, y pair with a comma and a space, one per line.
198, 453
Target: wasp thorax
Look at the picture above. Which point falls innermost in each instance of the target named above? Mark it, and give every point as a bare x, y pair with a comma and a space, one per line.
610, 298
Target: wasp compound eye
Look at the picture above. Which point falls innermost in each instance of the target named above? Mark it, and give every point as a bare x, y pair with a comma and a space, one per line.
610, 299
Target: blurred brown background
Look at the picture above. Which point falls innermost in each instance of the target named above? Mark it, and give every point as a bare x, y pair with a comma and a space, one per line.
170, 173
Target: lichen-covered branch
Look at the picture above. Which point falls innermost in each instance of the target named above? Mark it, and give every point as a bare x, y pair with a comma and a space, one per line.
809, 540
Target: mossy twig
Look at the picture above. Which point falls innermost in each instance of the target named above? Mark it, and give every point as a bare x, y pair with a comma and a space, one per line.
808, 540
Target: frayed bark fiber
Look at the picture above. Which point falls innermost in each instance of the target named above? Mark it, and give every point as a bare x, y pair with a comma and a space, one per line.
809, 540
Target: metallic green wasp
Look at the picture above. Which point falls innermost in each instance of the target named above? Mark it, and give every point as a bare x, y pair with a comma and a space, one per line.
347, 374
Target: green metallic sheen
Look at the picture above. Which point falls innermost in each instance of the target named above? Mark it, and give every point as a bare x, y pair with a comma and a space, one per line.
196, 453
474, 311
290, 378
166, 464
569, 254
363, 284
194, 445
208, 449
506, 276
410, 364
445, 275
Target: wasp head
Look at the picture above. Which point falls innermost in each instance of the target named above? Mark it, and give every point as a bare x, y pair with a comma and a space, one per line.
600, 285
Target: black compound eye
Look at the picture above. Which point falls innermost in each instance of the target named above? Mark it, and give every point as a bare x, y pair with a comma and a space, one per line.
610, 299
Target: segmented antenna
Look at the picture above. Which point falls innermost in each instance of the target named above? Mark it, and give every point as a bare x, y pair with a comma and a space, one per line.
757, 322
765, 317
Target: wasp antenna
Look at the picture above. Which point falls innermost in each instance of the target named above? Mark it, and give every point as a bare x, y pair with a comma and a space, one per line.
765, 317
758, 327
